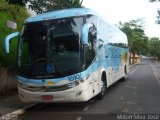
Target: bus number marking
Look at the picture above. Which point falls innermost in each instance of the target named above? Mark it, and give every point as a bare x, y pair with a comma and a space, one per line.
74, 77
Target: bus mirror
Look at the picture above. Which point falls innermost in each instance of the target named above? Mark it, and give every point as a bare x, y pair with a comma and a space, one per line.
7, 40
93, 32
85, 31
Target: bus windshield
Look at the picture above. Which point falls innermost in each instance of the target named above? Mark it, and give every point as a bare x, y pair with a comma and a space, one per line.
50, 48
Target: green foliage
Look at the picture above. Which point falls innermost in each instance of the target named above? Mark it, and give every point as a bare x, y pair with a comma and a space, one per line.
126, 28
154, 47
154, 0
137, 41
14, 13
16, 2
158, 12
40, 6
158, 17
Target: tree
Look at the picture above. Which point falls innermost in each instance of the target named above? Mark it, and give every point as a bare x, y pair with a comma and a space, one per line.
154, 0
18, 2
40, 6
154, 46
158, 12
10, 12
137, 40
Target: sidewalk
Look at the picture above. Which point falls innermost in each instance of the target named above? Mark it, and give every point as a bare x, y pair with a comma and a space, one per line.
10, 103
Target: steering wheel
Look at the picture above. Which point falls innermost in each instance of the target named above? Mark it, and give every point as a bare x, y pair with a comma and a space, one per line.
39, 60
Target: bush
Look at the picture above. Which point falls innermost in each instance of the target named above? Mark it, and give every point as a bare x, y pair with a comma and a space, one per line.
14, 13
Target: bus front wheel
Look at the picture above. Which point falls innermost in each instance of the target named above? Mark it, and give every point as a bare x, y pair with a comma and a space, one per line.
103, 87
125, 74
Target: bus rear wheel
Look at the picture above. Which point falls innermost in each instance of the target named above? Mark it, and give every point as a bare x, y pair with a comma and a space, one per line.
103, 87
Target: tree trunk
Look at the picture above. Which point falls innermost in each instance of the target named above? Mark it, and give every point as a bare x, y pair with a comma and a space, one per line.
134, 54
130, 58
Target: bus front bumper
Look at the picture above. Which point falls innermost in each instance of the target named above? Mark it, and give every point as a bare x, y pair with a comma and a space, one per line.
76, 94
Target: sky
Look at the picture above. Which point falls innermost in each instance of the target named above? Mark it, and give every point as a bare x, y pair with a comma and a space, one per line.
126, 10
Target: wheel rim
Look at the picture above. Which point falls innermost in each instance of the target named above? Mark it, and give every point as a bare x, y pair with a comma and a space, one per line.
103, 87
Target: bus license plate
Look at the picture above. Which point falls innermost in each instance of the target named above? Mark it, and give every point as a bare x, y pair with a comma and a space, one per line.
47, 97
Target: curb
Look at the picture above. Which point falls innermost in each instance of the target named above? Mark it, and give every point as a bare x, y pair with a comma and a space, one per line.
14, 115
133, 65
25, 109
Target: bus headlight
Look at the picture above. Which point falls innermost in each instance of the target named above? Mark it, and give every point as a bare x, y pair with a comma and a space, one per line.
73, 84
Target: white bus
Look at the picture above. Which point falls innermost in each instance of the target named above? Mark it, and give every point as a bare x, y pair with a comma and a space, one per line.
69, 55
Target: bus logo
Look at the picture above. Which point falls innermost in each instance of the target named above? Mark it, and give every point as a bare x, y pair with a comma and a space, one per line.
74, 77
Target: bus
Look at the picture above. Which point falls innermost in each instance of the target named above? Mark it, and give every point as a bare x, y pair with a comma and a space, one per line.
69, 55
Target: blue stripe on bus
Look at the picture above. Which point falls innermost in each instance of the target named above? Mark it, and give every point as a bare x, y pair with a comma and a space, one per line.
109, 56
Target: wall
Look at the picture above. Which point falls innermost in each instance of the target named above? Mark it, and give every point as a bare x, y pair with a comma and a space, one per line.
7, 80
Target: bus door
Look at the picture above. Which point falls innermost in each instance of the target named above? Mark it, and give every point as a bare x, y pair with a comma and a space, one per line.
91, 59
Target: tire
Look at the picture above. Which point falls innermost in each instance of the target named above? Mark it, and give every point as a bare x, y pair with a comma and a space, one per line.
100, 96
125, 74
123, 78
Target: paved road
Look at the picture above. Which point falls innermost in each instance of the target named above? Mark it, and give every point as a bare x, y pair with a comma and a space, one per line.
10, 103
139, 95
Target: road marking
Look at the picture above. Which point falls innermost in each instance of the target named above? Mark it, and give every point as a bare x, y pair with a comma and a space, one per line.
133, 71
86, 108
122, 98
134, 93
157, 71
133, 65
125, 110
128, 103
156, 74
79, 118
133, 87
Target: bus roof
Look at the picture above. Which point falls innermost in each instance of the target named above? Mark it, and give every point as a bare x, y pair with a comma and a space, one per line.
61, 14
